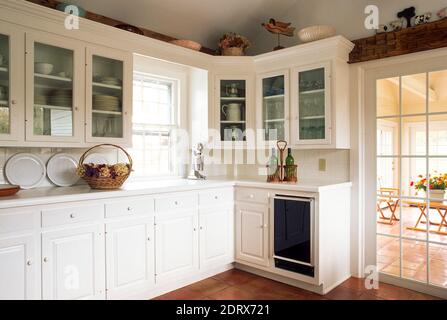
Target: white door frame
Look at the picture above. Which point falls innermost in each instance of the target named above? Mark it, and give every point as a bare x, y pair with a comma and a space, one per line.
363, 153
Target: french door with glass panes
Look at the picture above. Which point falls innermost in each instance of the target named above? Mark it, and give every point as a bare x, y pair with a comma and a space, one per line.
55, 88
108, 96
411, 204
12, 87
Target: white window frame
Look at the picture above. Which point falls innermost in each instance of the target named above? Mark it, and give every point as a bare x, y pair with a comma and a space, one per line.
175, 124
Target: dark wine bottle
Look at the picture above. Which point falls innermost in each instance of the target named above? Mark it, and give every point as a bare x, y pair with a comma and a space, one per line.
289, 160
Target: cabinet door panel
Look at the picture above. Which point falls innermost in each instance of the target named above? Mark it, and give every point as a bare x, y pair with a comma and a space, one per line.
252, 234
55, 69
216, 235
311, 104
273, 98
12, 88
108, 95
19, 271
130, 257
73, 263
176, 245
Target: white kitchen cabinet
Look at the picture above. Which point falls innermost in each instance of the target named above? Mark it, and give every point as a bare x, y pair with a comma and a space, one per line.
216, 236
108, 95
177, 244
12, 83
55, 88
19, 268
130, 257
273, 106
320, 106
252, 235
311, 104
73, 263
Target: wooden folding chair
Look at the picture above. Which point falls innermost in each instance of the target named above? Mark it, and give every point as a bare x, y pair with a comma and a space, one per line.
388, 196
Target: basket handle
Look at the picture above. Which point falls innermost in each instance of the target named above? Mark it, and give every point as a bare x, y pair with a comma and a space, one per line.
81, 160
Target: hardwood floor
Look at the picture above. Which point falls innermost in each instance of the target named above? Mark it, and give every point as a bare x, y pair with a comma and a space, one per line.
239, 285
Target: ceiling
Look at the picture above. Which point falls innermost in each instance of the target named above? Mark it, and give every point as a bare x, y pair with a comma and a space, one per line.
200, 20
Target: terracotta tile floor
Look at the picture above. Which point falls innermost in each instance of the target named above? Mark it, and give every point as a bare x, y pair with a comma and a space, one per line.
414, 252
239, 285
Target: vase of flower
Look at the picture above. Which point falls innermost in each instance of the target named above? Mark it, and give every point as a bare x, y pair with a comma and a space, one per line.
436, 184
232, 44
437, 195
233, 51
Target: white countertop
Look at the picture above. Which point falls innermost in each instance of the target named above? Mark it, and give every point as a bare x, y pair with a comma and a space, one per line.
48, 195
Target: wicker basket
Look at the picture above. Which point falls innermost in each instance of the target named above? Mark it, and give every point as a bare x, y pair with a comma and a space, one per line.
105, 183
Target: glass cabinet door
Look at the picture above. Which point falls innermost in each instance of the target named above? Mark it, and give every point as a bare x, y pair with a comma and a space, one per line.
274, 107
107, 97
55, 89
233, 102
5, 116
312, 117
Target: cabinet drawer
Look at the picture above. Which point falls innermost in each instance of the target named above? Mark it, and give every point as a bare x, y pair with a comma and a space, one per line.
252, 195
215, 197
18, 221
130, 207
71, 214
176, 202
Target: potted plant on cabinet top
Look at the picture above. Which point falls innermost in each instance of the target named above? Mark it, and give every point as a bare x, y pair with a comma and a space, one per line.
437, 185
232, 44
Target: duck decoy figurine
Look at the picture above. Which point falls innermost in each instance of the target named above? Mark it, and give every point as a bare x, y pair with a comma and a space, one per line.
279, 28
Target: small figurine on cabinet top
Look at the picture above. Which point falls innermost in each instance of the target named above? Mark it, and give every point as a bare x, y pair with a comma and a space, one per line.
422, 19
442, 13
407, 14
279, 28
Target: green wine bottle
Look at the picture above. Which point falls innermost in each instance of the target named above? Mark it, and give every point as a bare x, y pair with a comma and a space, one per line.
289, 160
273, 162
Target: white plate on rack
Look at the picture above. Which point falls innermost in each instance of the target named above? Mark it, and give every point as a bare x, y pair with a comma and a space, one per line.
25, 170
61, 170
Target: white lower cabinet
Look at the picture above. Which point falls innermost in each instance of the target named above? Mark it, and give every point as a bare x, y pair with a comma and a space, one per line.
19, 271
216, 236
252, 233
177, 245
73, 263
130, 257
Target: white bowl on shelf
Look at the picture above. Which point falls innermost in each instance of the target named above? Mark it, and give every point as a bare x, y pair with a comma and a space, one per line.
315, 33
43, 68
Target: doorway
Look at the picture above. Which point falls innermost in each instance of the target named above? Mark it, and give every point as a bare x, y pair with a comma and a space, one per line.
408, 189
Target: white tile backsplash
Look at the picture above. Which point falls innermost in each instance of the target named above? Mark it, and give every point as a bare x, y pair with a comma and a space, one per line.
337, 166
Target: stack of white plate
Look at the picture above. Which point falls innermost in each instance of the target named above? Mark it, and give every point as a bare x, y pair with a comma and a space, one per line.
62, 98
106, 103
110, 81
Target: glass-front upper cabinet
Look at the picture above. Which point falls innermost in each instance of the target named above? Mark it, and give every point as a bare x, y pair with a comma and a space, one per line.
273, 118
109, 94
311, 105
11, 82
232, 96
54, 89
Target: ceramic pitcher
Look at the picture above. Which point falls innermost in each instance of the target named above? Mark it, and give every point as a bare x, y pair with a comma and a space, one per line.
232, 111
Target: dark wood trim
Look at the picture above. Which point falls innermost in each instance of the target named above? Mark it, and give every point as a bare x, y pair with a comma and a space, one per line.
424, 37
112, 22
